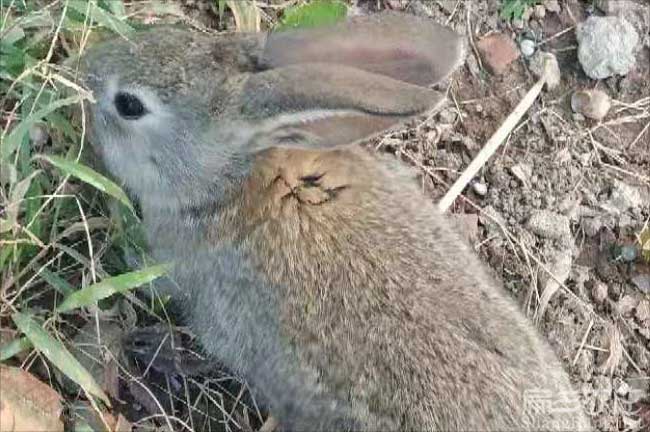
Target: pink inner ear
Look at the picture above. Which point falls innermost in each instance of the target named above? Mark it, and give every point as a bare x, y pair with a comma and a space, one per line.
400, 62
352, 54
337, 130
401, 46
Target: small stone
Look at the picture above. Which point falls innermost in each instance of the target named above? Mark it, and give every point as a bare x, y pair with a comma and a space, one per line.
541, 60
497, 51
642, 282
527, 47
594, 104
480, 188
548, 224
540, 11
599, 292
638, 388
448, 116
628, 253
523, 172
643, 311
623, 389
624, 197
518, 23
552, 6
606, 46
38, 135
626, 305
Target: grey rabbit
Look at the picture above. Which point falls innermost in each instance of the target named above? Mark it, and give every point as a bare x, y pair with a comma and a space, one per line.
314, 268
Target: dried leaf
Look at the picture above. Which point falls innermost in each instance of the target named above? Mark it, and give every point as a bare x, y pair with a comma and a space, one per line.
27, 404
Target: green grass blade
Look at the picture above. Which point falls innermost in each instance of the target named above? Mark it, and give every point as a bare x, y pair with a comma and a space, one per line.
59, 284
13, 140
314, 14
102, 17
118, 284
90, 176
14, 347
56, 352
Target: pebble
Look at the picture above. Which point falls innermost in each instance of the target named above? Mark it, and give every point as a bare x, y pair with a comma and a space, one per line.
643, 311
480, 188
638, 384
628, 253
527, 47
606, 46
554, 75
599, 292
523, 172
623, 389
642, 282
38, 135
624, 196
626, 305
498, 51
448, 116
594, 104
548, 224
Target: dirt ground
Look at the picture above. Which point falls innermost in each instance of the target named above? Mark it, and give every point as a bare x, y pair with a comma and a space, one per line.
571, 171
581, 277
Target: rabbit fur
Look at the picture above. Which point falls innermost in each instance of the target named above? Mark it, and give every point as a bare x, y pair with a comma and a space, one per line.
315, 269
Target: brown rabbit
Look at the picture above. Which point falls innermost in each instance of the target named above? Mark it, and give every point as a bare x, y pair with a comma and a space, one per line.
315, 269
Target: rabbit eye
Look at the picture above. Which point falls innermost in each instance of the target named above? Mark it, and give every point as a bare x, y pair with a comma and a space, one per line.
129, 106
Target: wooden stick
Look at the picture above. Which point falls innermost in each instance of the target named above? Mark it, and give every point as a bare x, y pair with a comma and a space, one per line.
493, 144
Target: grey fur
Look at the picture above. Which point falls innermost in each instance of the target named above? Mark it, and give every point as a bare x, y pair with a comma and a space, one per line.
319, 272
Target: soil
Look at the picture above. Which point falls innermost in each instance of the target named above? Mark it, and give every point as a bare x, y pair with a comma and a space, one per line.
597, 319
595, 308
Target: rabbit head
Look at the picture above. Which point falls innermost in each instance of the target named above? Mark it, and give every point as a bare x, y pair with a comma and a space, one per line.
180, 113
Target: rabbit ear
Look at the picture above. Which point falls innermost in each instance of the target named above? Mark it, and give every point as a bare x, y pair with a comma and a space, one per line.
400, 46
325, 105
